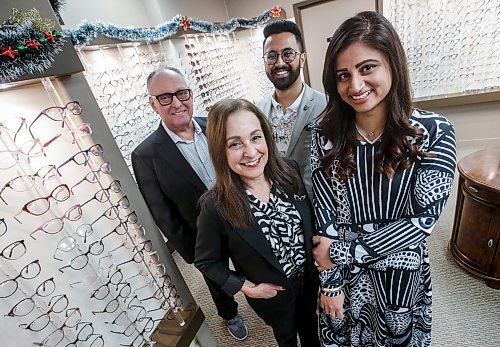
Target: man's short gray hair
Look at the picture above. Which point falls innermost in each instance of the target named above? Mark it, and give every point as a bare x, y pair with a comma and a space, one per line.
160, 69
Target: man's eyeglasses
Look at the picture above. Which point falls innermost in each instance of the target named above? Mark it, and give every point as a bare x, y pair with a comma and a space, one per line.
287, 55
167, 98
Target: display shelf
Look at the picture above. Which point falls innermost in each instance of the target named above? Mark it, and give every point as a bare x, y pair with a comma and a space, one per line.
105, 266
452, 49
457, 99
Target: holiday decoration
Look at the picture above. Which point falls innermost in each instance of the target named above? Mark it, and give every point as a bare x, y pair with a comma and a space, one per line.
185, 23
86, 32
28, 45
276, 12
39, 23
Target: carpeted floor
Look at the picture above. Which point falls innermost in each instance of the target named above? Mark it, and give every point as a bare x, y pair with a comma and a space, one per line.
466, 313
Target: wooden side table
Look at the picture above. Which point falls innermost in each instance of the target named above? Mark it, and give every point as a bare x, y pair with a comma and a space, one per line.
475, 239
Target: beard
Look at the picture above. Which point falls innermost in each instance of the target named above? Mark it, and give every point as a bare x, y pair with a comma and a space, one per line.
283, 83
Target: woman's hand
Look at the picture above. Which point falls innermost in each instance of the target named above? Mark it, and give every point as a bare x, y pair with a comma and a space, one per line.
260, 291
333, 306
321, 252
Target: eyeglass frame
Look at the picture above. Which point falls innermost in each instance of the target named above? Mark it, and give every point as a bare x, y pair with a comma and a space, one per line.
62, 218
32, 177
85, 255
30, 299
51, 309
86, 153
20, 275
64, 108
96, 174
190, 93
25, 207
13, 245
280, 54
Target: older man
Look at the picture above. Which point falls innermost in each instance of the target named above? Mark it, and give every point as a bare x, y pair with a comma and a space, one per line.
173, 169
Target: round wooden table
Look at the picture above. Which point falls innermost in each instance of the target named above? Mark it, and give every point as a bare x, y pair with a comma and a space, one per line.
475, 239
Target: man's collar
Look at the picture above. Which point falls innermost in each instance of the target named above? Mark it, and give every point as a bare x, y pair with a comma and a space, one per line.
295, 104
176, 138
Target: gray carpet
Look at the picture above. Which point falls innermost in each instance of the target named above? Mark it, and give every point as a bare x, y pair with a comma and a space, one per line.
466, 313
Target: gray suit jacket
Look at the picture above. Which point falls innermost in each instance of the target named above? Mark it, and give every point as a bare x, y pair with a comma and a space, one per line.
312, 105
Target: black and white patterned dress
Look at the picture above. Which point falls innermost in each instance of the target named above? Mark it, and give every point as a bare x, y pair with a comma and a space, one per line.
380, 227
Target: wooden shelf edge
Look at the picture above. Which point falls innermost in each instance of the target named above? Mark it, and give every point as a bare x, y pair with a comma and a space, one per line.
456, 99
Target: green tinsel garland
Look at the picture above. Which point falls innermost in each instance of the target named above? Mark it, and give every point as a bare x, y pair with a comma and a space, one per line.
25, 50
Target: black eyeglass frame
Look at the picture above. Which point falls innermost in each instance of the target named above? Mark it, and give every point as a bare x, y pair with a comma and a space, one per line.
176, 94
282, 54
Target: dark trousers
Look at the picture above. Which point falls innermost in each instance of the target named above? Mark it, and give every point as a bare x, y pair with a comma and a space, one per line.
292, 312
227, 307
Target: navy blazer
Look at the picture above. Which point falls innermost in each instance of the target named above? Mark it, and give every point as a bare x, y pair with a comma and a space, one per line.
248, 248
170, 187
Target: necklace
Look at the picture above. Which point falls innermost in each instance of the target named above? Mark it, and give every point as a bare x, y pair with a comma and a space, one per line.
370, 134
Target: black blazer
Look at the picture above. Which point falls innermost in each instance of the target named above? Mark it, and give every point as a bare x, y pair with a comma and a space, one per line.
170, 187
249, 249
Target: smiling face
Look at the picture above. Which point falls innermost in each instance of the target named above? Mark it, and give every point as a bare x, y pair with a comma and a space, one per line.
363, 79
178, 115
246, 147
284, 75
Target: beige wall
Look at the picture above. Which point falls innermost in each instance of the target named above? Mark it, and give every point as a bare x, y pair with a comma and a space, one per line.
254, 8
143, 13
118, 12
475, 124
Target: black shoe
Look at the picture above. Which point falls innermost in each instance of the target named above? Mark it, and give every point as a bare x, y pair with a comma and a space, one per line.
237, 328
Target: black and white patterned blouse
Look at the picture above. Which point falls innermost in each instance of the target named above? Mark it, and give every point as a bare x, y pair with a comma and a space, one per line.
282, 226
380, 228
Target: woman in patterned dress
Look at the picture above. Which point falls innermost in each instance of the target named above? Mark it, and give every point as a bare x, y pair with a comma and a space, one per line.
382, 172
259, 215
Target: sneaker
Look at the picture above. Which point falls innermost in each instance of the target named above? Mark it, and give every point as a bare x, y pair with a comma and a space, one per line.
237, 328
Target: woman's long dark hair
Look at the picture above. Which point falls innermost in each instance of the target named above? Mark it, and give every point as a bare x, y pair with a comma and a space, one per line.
338, 123
229, 191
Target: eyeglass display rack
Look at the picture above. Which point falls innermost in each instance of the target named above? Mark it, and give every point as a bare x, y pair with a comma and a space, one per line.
453, 49
216, 66
82, 262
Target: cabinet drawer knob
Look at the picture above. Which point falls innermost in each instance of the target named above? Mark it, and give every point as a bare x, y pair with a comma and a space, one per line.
490, 243
473, 189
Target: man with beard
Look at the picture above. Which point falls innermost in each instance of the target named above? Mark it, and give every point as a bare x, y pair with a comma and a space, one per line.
293, 104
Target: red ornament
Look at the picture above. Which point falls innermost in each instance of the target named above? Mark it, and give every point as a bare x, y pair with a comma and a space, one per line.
49, 36
276, 12
33, 44
185, 23
9, 52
